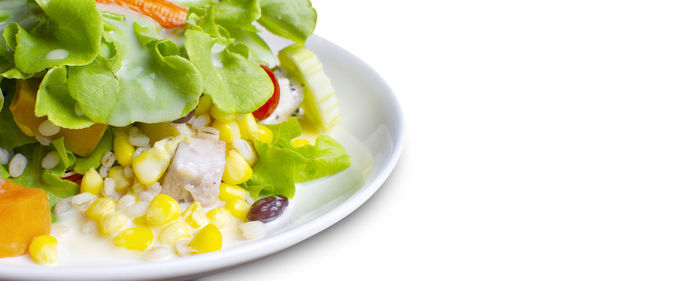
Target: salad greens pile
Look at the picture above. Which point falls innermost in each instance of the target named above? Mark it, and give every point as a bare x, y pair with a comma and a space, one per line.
101, 67
97, 65
280, 164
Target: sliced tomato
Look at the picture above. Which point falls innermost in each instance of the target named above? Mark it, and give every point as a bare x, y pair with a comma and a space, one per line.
166, 13
269, 107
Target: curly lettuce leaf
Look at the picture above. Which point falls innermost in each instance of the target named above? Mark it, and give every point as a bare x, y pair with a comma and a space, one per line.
35, 176
326, 157
54, 100
217, 23
67, 157
281, 165
136, 77
10, 135
239, 13
235, 84
203, 19
260, 52
26, 14
3, 172
68, 32
291, 19
275, 171
82, 165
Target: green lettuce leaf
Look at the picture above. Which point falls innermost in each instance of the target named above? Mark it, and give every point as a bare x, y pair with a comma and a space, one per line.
137, 77
27, 14
235, 84
238, 13
291, 19
203, 19
275, 171
2, 96
68, 32
326, 157
3, 172
67, 157
35, 176
82, 165
54, 100
281, 165
228, 13
10, 135
259, 50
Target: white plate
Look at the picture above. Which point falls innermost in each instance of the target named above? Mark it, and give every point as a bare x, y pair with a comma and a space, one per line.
371, 130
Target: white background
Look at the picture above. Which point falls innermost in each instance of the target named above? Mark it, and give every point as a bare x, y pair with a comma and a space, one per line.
546, 140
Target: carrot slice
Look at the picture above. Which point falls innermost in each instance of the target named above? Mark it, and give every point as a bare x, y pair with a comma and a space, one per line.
166, 13
24, 214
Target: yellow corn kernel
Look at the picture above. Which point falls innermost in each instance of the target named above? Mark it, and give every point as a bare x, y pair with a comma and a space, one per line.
247, 151
300, 142
208, 239
99, 207
44, 249
141, 221
150, 165
112, 222
239, 208
173, 232
138, 188
248, 126
92, 182
220, 217
163, 209
222, 116
194, 215
265, 134
237, 170
204, 106
123, 150
229, 192
121, 182
228, 130
135, 238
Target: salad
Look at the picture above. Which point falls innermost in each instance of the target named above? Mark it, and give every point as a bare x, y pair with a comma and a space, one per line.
163, 127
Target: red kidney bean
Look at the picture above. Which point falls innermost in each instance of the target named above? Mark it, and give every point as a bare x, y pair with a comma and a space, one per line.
268, 208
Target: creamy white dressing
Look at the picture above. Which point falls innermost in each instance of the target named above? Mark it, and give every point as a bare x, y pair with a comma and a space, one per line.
76, 247
291, 97
216, 51
57, 54
148, 84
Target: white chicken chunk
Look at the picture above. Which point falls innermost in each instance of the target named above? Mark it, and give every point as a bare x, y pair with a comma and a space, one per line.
196, 170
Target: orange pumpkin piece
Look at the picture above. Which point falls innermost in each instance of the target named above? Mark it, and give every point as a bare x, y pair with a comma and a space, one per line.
6, 186
24, 214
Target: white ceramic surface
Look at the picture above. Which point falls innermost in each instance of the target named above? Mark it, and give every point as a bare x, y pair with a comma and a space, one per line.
371, 130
